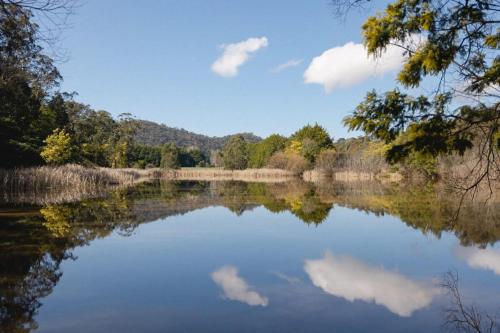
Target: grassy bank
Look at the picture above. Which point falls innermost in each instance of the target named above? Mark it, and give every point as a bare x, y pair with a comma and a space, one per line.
65, 183
70, 175
77, 177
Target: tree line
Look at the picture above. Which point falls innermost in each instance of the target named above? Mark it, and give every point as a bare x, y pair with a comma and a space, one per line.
458, 44
311, 147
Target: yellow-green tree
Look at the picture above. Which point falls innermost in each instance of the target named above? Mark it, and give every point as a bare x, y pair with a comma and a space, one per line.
57, 148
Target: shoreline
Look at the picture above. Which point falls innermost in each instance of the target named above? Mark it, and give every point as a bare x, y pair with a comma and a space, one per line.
78, 176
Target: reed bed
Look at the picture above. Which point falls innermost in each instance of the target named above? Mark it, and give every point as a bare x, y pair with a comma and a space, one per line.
259, 175
74, 176
65, 183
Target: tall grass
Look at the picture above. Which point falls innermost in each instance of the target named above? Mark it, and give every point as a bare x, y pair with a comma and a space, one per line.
74, 176
64, 182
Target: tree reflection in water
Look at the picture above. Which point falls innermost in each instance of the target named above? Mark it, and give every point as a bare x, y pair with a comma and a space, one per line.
34, 240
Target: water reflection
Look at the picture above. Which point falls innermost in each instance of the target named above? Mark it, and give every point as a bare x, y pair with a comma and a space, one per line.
349, 278
236, 288
426, 208
488, 258
36, 239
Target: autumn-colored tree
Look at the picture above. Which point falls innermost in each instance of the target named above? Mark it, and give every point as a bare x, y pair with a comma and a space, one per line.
57, 149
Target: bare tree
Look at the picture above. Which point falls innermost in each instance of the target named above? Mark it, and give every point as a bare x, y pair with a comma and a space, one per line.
342, 7
460, 317
50, 15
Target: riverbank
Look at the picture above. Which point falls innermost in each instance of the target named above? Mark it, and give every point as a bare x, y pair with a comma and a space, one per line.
79, 177
66, 183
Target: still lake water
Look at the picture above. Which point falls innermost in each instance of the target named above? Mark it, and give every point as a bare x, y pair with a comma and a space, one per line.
245, 257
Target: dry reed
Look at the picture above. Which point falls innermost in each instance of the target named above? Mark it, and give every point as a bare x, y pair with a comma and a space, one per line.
65, 182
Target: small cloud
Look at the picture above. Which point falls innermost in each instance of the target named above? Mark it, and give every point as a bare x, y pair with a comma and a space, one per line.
348, 65
481, 258
236, 288
286, 65
287, 278
349, 278
235, 55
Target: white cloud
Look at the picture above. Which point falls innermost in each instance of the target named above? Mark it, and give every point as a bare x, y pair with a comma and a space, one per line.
235, 55
287, 278
352, 279
235, 288
481, 258
347, 65
286, 65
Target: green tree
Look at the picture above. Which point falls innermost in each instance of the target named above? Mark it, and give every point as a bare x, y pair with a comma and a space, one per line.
170, 156
235, 153
312, 140
27, 76
261, 152
145, 156
57, 149
191, 157
458, 43
122, 140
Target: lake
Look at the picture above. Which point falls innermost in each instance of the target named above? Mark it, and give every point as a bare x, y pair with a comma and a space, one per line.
246, 257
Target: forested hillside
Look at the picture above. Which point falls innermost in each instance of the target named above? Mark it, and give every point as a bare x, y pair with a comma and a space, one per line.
154, 134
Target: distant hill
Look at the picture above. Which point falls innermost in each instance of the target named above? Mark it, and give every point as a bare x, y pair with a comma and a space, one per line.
152, 133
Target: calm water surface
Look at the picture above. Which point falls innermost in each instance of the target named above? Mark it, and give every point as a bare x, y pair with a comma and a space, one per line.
228, 256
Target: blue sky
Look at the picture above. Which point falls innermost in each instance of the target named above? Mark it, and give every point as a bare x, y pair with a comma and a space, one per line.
154, 59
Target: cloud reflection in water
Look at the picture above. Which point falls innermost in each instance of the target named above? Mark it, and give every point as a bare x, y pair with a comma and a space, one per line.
236, 288
349, 278
481, 258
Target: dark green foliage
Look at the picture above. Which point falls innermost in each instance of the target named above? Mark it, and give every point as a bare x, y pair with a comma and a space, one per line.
26, 78
170, 156
193, 157
235, 153
146, 156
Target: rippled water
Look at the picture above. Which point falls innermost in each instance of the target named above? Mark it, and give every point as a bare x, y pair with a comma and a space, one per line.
229, 256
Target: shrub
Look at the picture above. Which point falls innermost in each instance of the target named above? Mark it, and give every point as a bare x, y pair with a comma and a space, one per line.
288, 161
326, 161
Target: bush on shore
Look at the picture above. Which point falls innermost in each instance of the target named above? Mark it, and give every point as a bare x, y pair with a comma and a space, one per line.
289, 161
